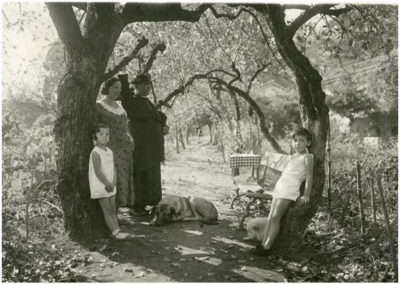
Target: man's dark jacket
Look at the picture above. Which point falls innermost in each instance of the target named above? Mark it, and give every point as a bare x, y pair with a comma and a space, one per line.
145, 124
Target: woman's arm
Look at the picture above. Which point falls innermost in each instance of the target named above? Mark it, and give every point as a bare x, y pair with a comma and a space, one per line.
97, 170
309, 161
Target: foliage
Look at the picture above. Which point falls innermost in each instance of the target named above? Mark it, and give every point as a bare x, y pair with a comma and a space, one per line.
49, 260
365, 94
280, 109
30, 203
364, 32
27, 33
336, 250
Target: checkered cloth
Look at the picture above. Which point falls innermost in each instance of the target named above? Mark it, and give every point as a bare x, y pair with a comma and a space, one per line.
245, 160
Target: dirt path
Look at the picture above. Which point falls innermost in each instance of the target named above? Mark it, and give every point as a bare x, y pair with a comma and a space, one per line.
184, 252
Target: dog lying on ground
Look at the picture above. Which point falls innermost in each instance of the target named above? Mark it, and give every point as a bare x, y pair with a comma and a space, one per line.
174, 208
255, 229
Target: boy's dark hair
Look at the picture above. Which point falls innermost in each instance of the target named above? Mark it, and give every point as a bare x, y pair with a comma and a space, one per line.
97, 128
107, 85
302, 132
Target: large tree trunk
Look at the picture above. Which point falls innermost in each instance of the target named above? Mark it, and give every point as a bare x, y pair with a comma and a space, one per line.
210, 131
86, 62
187, 134
83, 216
315, 117
181, 139
216, 139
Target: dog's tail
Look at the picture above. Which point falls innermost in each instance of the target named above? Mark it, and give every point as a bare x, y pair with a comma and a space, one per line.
208, 221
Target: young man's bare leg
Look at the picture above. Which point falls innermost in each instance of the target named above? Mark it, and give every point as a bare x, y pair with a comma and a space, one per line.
275, 220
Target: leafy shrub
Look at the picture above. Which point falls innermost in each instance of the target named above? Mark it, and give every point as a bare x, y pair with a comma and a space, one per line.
32, 216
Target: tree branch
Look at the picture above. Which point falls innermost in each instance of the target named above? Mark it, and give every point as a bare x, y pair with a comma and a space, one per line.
229, 16
265, 36
67, 27
324, 9
80, 20
160, 12
237, 77
8, 21
259, 70
296, 6
243, 94
189, 82
260, 114
81, 6
125, 61
211, 106
161, 47
104, 10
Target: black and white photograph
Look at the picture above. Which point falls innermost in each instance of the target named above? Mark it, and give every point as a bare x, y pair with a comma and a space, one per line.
199, 141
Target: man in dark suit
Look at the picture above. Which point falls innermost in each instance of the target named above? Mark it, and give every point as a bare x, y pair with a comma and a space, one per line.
147, 126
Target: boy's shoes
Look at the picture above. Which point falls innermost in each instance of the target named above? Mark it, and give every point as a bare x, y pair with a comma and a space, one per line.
260, 250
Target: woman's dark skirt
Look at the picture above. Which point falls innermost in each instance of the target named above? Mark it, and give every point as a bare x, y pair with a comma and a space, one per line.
147, 187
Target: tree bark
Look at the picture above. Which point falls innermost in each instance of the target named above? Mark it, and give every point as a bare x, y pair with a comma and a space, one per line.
210, 131
78, 90
187, 134
216, 137
181, 139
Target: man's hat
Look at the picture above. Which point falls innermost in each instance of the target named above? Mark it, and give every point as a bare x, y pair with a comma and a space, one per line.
141, 78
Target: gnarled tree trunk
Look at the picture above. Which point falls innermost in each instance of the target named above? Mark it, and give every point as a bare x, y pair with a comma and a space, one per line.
315, 117
86, 60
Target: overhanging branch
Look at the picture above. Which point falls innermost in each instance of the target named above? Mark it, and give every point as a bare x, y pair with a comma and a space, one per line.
296, 6
218, 15
105, 10
260, 114
160, 12
260, 8
238, 75
80, 5
189, 82
243, 94
259, 70
125, 61
158, 48
324, 9
67, 27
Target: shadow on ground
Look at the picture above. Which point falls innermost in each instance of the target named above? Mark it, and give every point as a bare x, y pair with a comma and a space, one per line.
184, 252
